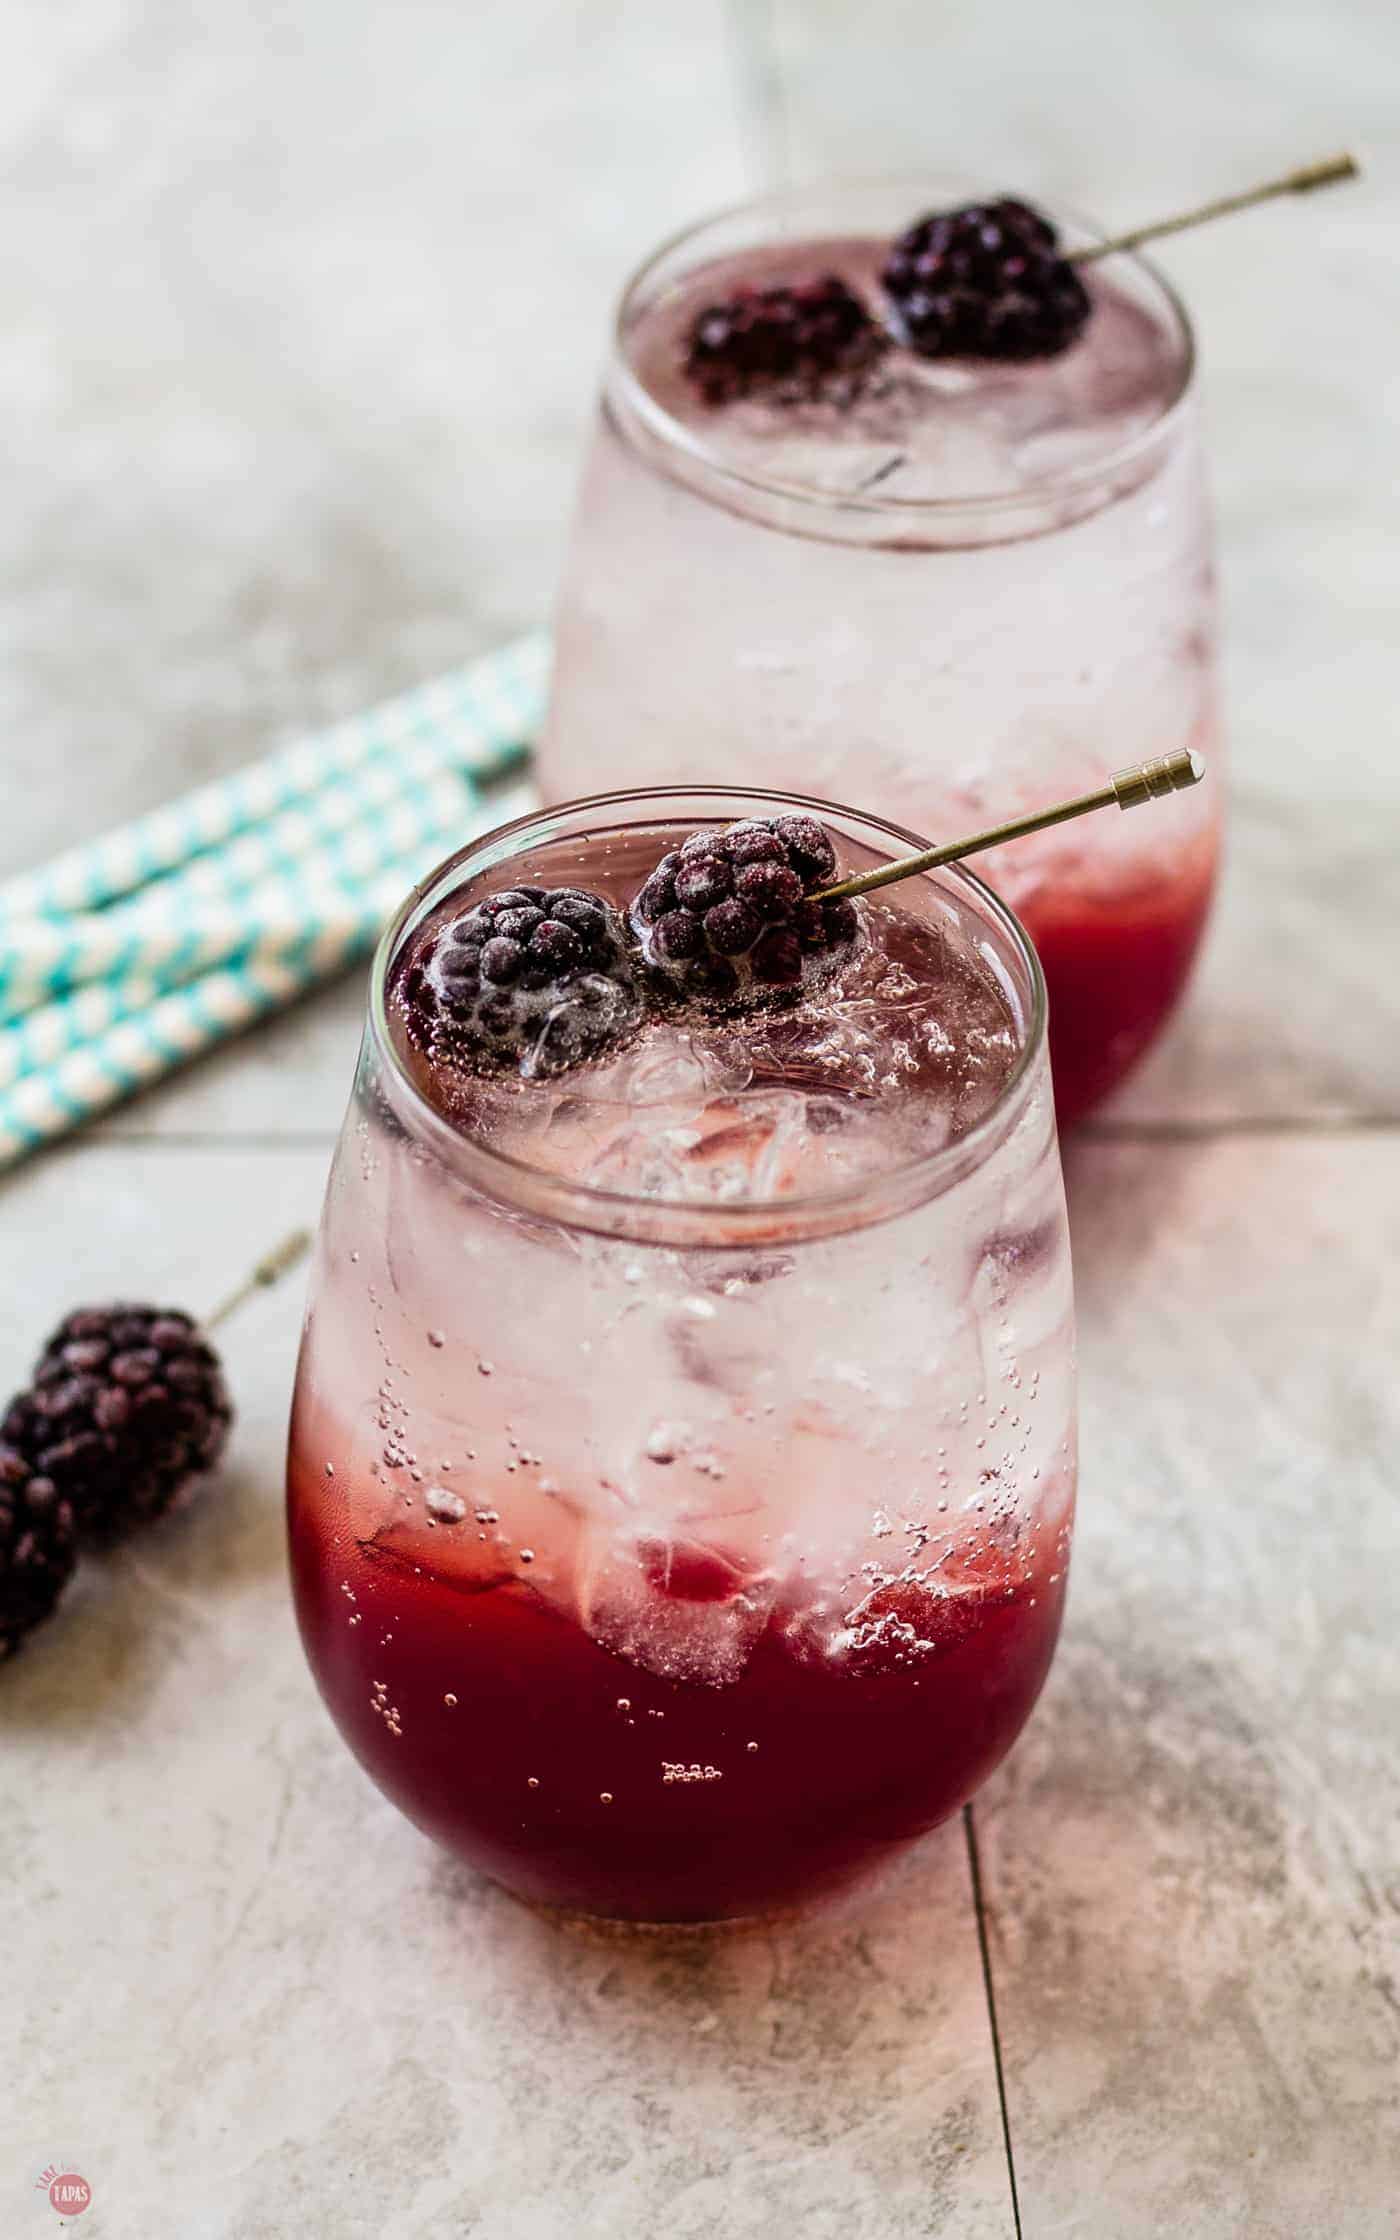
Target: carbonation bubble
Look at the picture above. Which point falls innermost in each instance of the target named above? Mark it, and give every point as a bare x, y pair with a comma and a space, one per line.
444, 1506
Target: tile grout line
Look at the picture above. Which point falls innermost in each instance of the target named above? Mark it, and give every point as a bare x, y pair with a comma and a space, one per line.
979, 1907
1242, 1127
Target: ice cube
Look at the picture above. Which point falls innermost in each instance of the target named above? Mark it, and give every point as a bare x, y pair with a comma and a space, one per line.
716, 1341
725, 1151
747, 1146
1021, 1290
680, 1608
892, 1619
642, 1162
671, 1064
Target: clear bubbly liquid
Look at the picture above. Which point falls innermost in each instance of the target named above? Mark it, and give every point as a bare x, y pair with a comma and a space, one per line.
945, 670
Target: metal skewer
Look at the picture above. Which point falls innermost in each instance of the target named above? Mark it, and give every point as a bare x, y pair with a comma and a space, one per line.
1327, 173
1144, 781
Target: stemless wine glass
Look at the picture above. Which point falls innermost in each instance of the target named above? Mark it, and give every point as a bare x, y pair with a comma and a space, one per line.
969, 589
677, 1553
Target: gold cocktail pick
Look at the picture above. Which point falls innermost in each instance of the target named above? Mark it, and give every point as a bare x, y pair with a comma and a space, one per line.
1329, 172
1144, 781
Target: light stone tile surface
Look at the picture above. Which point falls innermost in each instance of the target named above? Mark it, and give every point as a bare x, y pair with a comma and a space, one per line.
298, 332
301, 316
1191, 1861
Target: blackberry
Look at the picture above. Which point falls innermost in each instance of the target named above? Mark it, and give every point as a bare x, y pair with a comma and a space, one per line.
534, 979
38, 1547
814, 339
729, 915
986, 281
127, 1407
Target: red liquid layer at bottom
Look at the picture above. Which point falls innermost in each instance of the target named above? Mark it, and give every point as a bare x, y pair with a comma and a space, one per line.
505, 1730
1115, 970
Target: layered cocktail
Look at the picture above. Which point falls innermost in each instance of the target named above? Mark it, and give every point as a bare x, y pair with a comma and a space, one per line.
682, 1462
950, 585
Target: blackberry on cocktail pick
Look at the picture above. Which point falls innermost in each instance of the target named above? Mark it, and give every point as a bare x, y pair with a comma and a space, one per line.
990, 280
531, 981
729, 916
126, 1410
813, 339
987, 281
38, 1547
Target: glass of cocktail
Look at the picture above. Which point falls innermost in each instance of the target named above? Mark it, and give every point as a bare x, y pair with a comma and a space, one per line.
942, 585
682, 1460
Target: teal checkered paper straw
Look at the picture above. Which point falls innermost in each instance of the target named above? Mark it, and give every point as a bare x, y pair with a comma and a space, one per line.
129, 1052
126, 957
358, 885
200, 917
50, 1030
478, 716
178, 1026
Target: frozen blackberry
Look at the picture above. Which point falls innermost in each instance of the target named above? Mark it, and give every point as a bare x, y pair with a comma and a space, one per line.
531, 981
729, 917
38, 1547
127, 1408
811, 340
986, 281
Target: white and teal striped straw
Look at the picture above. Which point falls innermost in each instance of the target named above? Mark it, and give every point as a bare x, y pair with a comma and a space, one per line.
126, 958
479, 717
199, 917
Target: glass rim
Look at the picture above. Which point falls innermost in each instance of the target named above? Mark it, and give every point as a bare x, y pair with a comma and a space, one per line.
674, 435
524, 1187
